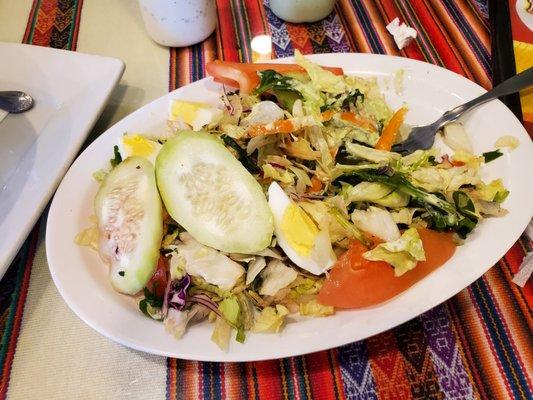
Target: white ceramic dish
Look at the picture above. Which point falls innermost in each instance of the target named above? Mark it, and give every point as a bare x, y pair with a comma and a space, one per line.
82, 280
36, 147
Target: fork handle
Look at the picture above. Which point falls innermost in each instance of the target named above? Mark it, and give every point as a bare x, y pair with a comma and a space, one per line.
509, 86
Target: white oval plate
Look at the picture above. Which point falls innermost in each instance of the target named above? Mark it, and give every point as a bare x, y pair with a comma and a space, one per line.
81, 277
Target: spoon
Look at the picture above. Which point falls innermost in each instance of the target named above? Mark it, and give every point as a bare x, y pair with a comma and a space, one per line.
15, 102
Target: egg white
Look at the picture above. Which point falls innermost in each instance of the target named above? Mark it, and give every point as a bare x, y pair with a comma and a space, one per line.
321, 257
125, 150
196, 115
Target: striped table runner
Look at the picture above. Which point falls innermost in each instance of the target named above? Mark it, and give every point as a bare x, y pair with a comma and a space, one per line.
476, 345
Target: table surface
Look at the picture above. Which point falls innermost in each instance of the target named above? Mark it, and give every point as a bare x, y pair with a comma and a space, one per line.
476, 345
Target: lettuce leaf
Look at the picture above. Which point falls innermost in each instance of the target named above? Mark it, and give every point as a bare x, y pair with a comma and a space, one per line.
403, 254
454, 135
305, 286
205, 262
229, 307
221, 334
278, 174
378, 222
494, 191
395, 199
315, 309
366, 191
321, 79
254, 268
276, 276
270, 319
370, 154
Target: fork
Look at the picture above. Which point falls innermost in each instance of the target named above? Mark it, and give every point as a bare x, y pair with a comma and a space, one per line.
422, 137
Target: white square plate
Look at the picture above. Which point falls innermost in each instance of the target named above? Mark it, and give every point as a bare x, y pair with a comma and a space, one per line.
36, 147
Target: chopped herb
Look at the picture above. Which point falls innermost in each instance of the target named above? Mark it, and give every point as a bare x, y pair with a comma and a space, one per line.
117, 159
121, 273
432, 161
143, 304
240, 335
443, 215
492, 155
270, 80
381, 125
280, 86
352, 98
244, 158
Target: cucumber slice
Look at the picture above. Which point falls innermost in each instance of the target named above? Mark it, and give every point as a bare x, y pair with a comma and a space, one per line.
130, 222
208, 192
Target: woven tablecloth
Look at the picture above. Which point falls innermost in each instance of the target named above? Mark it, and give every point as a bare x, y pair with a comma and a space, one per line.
476, 345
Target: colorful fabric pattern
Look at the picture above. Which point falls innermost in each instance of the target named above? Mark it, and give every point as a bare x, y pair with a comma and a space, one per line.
475, 346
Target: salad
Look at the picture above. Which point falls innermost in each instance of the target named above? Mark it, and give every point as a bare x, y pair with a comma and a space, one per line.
284, 199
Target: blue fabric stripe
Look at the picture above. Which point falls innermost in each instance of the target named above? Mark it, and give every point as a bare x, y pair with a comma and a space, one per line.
299, 362
500, 340
290, 387
368, 29
481, 54
278, 31
356, 373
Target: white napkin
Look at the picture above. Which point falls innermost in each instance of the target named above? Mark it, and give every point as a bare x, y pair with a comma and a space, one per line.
3, 114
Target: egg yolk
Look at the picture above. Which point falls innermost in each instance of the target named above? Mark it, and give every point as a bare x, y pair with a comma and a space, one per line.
138, 146
299, 230
186, 111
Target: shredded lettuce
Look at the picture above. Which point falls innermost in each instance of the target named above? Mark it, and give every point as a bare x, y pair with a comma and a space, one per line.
221, 334
320, 213
278, 174
494, 191
454, 135
229, 307
304, 286
264, 112
205, 262
366, 191
270, 319
276, 276
315, 309
254, 268
176, 322
507, 141
321, 79
88, 237
403, 254
378, 222
373, 155
417, 159
404, 215
435, 179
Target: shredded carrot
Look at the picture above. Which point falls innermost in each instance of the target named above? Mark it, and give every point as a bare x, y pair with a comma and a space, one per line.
358, 120
388, 136
283, 126
316, 185
327, 115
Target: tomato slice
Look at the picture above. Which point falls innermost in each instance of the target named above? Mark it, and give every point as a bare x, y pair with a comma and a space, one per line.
244, 75
355, 282
158, 281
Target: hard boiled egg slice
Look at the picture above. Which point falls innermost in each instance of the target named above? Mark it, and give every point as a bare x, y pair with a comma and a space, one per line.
298, 235
130, 145
196, 115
